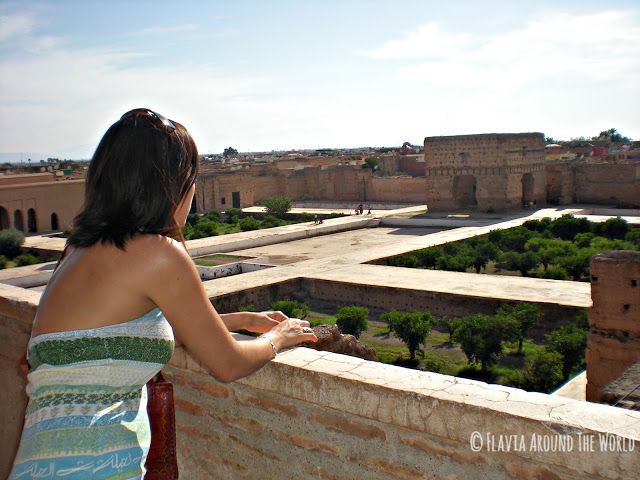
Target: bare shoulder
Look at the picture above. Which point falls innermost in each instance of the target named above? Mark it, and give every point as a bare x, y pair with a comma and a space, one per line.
157, 251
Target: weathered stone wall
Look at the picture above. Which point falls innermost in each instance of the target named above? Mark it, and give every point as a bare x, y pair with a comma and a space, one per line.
598, 183
64, 198
338, 183
614, 320
311, 414
327, 296
497, 162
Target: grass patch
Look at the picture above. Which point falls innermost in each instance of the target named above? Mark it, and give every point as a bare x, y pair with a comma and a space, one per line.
218, 259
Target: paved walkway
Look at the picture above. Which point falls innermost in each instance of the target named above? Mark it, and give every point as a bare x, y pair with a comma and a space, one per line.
339, 249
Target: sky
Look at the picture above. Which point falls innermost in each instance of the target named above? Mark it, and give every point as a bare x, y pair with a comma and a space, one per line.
275, 75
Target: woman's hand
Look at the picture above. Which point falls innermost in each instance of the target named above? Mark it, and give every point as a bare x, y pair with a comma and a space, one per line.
290, 332
262, 322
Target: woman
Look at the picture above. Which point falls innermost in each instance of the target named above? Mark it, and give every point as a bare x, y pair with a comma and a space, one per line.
106, 321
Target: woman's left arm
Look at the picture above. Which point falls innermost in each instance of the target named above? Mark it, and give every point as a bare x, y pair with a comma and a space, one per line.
258, 322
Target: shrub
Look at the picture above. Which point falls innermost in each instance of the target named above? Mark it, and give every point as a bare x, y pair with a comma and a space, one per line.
277, 206
269, 222
481, 337
233, 215
567, 227
249, 223
247, 308
612, 228
583, 240
449, 324
26, 259
307, 217
3, 262
554, 273
526, 314
633, 236
291, 308
410, 327
11, 241
521, 262
570, 341
352, 320
543, 371
192, 219
205, 228
213, 215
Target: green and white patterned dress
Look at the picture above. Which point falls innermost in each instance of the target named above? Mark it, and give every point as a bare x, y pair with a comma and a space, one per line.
87, 416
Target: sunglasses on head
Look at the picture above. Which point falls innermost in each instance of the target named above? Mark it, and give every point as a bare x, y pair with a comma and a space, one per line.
156, 117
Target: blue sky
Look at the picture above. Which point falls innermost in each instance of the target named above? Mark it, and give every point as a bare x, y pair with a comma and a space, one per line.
263, 75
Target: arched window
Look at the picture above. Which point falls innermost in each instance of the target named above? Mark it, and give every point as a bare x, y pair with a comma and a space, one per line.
54, 221
18, 221
4, 218
32, 224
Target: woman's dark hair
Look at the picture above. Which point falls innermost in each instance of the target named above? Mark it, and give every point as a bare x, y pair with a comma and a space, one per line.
141, 170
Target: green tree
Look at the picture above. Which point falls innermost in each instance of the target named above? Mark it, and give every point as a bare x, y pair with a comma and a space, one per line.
11, 241
428, 257
230, 152
612, 228
249, 223
411, 327
577, 265
526, 314
482, 252
583, 240
291, 308
570, 341
610, 136
554, 273
543, 371
372, 163
512, 239
567, 227
548, 249
449, 324
352, 320
521, 262
277, 206
205, 228
481, 337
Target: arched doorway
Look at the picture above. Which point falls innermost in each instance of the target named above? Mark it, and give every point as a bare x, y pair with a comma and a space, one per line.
4, 218
54, 221
464, 190
527, 189
18, 221
32, 224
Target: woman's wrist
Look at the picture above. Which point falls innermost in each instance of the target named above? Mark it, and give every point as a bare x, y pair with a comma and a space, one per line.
274, 348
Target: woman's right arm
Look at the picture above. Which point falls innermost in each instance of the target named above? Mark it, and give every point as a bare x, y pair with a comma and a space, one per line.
175, 287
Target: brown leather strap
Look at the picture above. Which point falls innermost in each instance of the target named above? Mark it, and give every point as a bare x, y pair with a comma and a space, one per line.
161, 463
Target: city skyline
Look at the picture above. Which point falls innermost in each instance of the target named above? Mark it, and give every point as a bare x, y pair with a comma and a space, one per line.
330, 75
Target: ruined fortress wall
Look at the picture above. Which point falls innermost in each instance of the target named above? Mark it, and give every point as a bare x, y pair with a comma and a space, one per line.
608, 183
597, 183
486, 171
339, 183
64, 198
390, 189
614, 320
310, 414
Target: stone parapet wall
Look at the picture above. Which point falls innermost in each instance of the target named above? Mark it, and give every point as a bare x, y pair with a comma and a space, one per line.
311, 414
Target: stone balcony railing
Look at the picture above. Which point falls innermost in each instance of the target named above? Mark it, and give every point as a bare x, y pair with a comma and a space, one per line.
320, 415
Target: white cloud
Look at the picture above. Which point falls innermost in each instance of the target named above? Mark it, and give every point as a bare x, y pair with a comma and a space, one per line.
427, 41
159, 30
581, 48
14, 25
